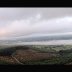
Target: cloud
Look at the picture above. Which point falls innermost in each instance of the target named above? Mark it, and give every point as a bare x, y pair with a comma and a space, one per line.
35, 25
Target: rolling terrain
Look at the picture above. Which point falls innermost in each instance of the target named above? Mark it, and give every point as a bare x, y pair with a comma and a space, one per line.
36, 54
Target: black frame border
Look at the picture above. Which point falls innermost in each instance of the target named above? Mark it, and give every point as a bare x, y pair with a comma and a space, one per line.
36, 3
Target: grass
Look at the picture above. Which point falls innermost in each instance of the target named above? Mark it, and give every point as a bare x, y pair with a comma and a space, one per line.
66, 57
55, 60
3, 62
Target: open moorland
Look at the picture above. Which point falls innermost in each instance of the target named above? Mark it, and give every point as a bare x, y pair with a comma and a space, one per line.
36, 54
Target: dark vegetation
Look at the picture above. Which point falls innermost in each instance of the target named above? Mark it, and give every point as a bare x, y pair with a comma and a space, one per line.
9, 51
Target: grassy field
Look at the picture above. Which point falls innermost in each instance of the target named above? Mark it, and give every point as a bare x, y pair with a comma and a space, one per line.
36, 54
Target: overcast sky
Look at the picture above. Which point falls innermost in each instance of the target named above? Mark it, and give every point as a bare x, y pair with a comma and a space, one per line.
34, 21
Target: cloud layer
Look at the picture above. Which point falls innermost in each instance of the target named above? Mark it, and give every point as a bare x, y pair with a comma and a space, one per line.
36, 25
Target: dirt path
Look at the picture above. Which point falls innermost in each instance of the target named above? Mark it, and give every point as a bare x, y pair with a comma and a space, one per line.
16, 59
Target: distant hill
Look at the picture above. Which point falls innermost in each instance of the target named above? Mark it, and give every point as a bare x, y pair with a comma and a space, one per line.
38, 38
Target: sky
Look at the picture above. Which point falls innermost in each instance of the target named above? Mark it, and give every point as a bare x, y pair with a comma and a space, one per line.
17, 22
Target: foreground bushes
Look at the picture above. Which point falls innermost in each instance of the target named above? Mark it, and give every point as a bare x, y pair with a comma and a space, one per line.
9, 51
